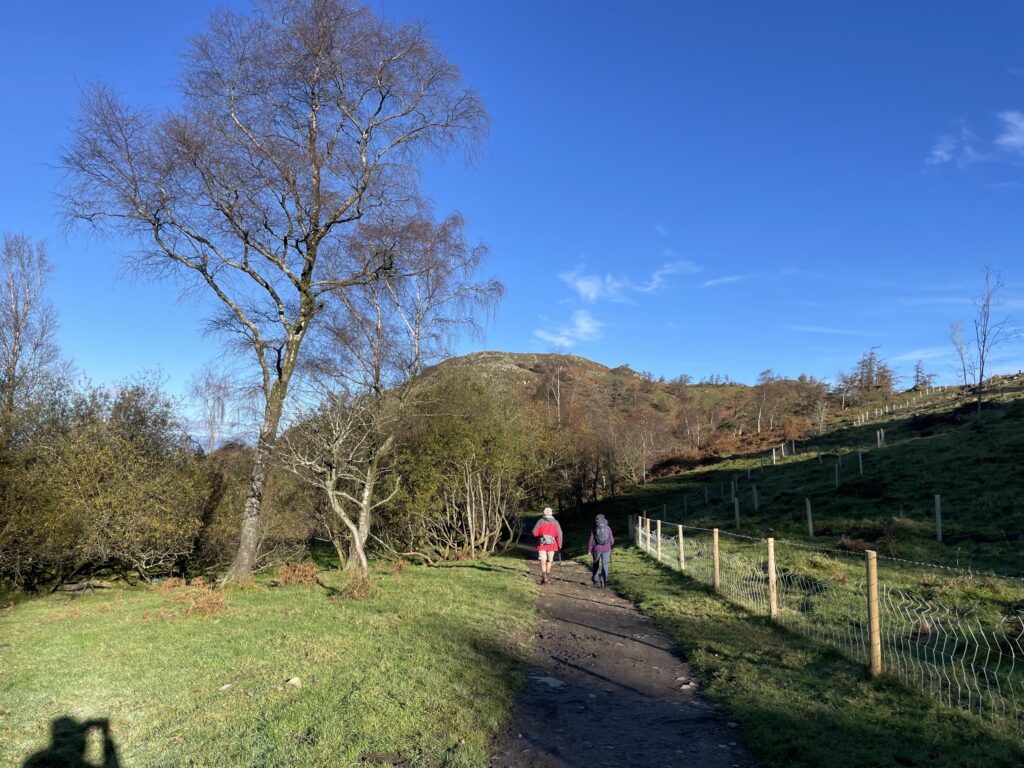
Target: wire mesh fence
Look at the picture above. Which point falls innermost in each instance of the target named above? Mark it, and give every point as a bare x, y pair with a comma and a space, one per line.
955, 652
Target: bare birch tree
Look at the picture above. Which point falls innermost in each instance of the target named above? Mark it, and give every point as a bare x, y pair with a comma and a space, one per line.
380, 337
295, 123
213, 391
956, 337
988, 333
28, 324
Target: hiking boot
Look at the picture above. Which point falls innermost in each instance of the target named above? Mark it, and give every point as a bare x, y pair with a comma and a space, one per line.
544, 578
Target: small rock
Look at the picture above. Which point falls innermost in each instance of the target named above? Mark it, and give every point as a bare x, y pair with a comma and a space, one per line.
733, 725
227, 687
294, 682
551, 682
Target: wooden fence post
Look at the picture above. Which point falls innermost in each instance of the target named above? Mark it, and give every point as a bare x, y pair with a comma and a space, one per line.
736, 510
773, 457
810, 520
630, 526
706, 494
837, 474
860, 462
938, 517
647, 532
682, 547
756, 501
773, 599
714, 551
874, 624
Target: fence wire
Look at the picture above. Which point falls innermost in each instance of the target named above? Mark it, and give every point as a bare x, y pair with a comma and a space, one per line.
947, 651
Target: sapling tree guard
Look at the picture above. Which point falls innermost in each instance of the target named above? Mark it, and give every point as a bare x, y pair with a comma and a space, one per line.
295, 122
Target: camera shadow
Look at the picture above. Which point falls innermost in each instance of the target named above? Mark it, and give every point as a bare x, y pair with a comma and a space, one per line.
69, 741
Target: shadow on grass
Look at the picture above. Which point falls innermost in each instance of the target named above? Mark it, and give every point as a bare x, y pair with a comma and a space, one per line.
69, 741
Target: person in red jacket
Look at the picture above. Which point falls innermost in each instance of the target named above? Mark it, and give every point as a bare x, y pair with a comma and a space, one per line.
548, 534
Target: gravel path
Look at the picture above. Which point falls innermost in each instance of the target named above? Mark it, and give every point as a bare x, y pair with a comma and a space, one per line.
604, 688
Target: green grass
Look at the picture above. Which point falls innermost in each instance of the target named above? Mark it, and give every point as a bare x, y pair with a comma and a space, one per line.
937, 449
425, 670
799, 704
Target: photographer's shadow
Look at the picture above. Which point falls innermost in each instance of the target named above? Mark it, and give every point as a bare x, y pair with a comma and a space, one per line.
68, 743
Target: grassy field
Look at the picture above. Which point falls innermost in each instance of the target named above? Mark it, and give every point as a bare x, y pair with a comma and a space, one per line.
422, 673
799, 701
935, 449
799, 704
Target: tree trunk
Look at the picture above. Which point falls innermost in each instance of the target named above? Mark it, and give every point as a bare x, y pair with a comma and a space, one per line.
249, 542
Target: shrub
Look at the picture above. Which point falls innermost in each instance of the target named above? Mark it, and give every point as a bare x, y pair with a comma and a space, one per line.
304, 574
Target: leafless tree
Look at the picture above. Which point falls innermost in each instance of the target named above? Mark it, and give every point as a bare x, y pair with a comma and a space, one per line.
967, 367
215, 393
988, 333
295, 123
28, 323
380, 337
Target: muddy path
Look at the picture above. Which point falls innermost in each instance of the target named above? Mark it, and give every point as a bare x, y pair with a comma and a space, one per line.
604, 688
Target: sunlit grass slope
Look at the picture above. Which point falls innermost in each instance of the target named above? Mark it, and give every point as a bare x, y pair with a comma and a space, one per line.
424, 671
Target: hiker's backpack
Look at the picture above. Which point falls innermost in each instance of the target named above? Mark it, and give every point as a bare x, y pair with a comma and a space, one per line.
602, 534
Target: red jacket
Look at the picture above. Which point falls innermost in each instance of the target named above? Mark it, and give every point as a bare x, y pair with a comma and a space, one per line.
548, 526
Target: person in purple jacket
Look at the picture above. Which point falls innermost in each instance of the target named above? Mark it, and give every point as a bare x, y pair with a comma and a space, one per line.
599, 547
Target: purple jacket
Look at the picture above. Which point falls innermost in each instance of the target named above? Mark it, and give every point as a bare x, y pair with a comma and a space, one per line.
595, 548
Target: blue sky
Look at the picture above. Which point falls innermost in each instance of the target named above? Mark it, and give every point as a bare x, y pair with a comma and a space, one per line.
702, 188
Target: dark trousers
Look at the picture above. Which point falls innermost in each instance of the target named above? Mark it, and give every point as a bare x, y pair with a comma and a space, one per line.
600, 568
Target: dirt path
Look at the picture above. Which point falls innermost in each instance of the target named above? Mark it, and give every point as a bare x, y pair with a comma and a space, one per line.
605, 689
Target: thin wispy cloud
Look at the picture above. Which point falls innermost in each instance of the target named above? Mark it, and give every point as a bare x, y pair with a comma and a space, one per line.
659, 278
926, 353
593, 287
961, 147
958, 147
1011, 135
826, 330
582, 327
724, 280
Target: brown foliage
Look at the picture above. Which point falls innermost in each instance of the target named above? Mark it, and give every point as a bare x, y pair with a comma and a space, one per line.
198, 596
303, 574
358, 586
